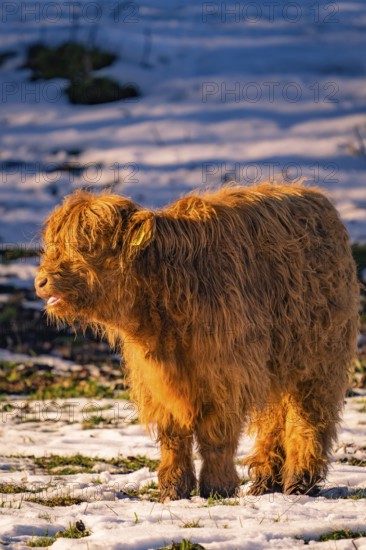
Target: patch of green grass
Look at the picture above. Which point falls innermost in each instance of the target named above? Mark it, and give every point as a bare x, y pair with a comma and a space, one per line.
68, 465
43, 542
94, 408
12, 488
352, 461
48, 386
359, 364
342, 534
65, 465
7, 314
358, 494
125, 394
52, 502
8, 255
12, 505
184, 544
149, 490
93, 422
216, 500
76, 530
133, 463
194, 524
46, 516
74, 388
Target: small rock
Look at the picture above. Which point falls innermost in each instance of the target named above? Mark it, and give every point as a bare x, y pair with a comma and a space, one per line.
80, 526
335, 492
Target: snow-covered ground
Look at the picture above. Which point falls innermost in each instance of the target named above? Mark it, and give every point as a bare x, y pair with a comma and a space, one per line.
273, 90
241, 91
119, 522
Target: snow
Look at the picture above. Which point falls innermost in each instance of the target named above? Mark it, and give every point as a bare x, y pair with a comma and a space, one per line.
270, 521
19, 273
271, 91
260, 95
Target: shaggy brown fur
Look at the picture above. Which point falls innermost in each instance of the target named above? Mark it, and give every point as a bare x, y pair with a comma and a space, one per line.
231, 307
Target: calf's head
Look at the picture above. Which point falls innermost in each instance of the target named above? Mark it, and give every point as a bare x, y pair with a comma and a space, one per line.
82, 260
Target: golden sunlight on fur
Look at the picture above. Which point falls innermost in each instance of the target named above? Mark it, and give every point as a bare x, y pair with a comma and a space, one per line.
235, 308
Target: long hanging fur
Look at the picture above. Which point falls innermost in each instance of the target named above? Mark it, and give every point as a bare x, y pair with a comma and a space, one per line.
232, 308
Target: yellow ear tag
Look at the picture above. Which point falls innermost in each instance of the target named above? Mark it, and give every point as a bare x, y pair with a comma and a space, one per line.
140, 236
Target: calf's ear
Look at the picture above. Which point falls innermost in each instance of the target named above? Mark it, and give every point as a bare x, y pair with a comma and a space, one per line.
142, 232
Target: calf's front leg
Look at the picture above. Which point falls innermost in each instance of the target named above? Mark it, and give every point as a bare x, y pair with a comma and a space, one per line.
176, 473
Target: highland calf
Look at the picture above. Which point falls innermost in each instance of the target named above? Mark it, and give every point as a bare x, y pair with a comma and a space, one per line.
231, 308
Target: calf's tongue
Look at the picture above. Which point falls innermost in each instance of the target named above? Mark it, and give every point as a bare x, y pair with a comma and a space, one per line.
53, 300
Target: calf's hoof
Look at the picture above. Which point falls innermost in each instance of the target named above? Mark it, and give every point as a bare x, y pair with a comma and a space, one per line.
176, 488
302, 485
264, 486
214, 486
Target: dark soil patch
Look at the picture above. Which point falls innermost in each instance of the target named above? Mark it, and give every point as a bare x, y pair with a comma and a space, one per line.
91, 91
69, 60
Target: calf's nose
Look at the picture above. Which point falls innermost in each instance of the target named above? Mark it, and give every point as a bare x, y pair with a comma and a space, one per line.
41, 282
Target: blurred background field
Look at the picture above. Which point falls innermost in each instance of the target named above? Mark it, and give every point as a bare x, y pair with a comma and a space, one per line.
151, 100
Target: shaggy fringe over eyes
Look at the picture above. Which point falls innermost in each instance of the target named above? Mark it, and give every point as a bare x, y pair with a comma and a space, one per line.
87, 220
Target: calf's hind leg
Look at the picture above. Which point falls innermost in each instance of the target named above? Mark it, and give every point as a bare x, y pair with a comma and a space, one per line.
176, 473
218, 442
266, 462
310, 430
